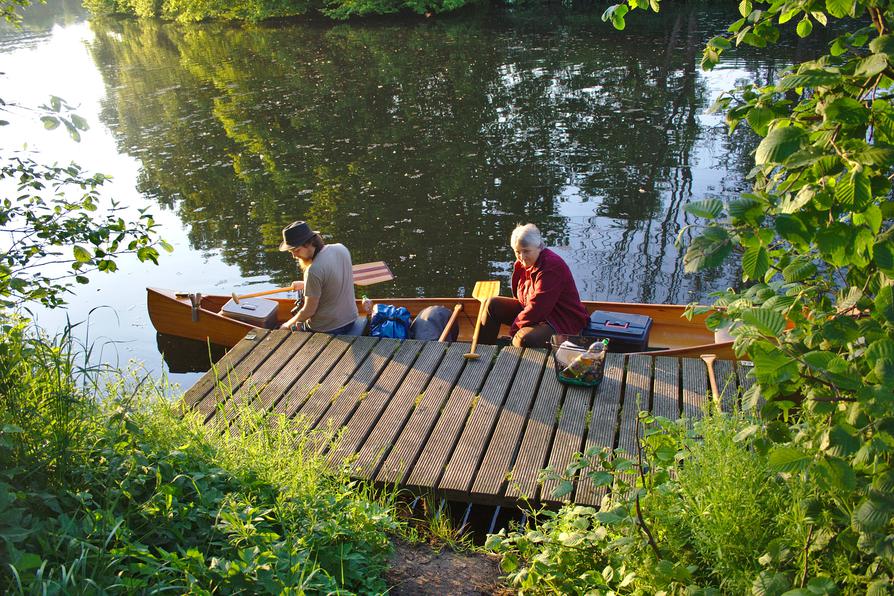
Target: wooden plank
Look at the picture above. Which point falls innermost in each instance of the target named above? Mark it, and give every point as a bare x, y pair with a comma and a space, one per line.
637, 397
291, 371
666, 388
361, 422
229, 384
258, 379
379, 441
298, 392
603, 425
439, 446
498, 459
746, 381
415, 433
725, 373
222, 368
353, 393
695, 387
476, 435
317, 404
570, 434
538, 436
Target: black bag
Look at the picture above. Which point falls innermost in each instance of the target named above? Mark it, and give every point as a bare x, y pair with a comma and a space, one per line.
430, 323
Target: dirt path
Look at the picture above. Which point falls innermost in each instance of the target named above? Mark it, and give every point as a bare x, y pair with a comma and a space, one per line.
419, 571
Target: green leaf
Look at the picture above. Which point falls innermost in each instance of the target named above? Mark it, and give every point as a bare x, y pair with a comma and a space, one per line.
759, 119
854, 190
846, 111
779, 144
755, 262
884, 302
805, 27
719, 42
788, 459
871, 65
809, 78
564, 488
165, 246
79, 122
882, 349
769, 322
787, 16
707, 250
707, 209
884, 44
792, 229
81, 255
745, 7
834, 241
883, 252
873, 513
49, 122
839, 8
871, 218
837, 474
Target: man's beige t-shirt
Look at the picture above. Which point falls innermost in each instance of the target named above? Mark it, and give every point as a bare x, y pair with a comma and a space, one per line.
331, 279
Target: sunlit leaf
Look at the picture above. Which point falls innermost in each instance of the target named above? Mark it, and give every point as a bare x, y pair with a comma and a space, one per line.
788, 459
81, 254
707, 209
808, 78
755, 262
707, 250
49, 122
847, 111
805, 27
871, 65
839, 8
779, 144
769, 322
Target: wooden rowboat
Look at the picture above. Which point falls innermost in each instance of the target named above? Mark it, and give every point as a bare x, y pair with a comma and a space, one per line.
172, 313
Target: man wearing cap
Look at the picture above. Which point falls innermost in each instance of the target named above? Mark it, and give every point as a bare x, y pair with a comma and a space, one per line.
328, 283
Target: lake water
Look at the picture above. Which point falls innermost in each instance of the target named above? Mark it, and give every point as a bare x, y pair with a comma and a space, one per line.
421, 142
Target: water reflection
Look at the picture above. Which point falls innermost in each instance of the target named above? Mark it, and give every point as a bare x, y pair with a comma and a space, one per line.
424, 143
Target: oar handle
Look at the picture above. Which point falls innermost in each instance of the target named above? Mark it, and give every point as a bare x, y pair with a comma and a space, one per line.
264, 293
472, 355
709, 362
446, 332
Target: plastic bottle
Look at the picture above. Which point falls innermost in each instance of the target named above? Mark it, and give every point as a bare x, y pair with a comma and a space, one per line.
367, 304
588, 365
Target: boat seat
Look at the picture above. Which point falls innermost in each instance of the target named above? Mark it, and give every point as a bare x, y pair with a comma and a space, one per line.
359, 326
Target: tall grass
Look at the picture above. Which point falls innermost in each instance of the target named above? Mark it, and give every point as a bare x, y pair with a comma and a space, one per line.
111, 491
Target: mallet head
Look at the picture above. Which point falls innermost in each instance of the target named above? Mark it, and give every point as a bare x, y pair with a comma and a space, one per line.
235, 298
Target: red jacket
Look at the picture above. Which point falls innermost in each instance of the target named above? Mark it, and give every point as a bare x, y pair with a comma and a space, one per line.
547, 293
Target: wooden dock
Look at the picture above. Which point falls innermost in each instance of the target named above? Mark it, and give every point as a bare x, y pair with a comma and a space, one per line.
420, 415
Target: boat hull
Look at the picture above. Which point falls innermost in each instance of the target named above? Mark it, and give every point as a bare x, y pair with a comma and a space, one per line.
172, 313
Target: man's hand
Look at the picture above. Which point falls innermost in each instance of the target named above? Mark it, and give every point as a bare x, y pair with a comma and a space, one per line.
297, 286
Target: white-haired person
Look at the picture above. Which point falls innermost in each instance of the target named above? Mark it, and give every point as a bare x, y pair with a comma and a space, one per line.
328, 282
544, 299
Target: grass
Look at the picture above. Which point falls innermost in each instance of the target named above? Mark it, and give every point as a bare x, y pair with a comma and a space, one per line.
105, 488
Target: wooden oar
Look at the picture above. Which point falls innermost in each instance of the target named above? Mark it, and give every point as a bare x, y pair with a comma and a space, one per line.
446, 332
709, 362
482, 291
236, 298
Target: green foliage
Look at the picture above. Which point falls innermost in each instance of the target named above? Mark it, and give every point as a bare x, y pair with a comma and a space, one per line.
704, 508
816, 243
258, 10
116, 491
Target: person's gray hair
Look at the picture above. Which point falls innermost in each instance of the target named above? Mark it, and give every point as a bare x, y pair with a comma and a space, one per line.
527, 236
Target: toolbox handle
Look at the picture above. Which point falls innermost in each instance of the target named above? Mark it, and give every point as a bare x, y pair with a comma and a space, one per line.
248, 307
624, 325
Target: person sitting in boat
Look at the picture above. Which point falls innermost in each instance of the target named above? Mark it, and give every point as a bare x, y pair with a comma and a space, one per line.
544, 299
328, 282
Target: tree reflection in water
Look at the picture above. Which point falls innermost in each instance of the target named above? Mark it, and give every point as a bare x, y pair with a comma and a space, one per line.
424, 143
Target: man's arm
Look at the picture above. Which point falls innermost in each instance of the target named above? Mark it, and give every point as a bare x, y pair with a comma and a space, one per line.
307, 311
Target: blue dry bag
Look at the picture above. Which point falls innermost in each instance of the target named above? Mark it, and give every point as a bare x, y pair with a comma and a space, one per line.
390, 321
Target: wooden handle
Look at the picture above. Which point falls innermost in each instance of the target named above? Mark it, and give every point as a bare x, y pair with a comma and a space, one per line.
446, 332
264, 293
472, 355
709, 362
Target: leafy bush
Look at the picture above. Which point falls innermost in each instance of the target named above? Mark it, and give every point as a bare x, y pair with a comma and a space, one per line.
697, 515
115, 491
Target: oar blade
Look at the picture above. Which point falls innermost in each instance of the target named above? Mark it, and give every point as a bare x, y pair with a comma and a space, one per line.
485, 289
